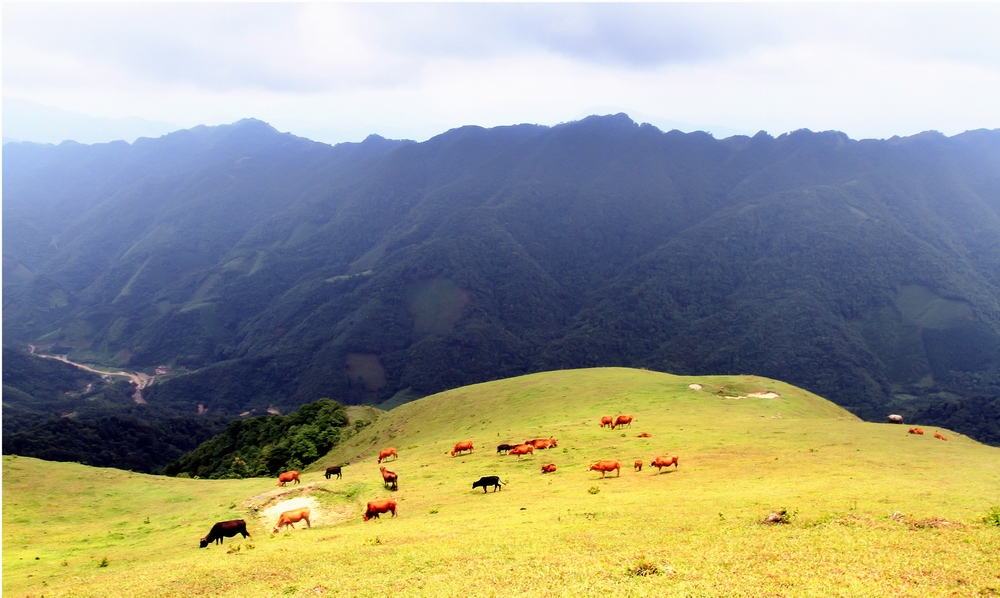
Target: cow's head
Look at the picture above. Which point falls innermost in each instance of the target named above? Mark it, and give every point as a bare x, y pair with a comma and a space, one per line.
204, 542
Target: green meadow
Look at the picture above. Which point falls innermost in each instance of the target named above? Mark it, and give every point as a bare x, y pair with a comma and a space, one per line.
870, 509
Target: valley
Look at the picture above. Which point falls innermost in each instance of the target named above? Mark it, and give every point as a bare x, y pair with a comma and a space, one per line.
872, 510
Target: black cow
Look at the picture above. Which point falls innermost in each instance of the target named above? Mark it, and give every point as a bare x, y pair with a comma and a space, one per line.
225, 529
503, 448
331, 471
487, 481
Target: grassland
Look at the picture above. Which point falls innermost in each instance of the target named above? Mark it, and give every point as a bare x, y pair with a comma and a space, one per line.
570, 533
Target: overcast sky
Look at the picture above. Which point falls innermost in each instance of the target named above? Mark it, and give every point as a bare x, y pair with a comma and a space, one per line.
337, 72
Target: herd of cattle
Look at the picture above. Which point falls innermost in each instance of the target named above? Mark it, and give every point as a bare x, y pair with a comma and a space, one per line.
228, 529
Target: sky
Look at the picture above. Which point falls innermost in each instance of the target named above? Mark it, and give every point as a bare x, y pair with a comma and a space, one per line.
337, 72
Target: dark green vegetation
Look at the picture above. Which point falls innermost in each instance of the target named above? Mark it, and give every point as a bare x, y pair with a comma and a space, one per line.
267, 445
287, 270
54, 411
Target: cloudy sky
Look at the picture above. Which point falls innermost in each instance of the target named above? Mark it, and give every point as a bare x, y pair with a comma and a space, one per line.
337, 72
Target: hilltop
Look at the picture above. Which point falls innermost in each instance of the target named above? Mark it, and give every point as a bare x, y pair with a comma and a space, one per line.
873, 510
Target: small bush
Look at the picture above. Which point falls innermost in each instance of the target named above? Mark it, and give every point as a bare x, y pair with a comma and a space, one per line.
992, 517
594, 490
642, 568
434, 511
103, 562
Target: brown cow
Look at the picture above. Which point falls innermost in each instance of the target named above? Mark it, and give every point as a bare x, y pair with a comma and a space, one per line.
389, 477
622, 420
288, 476
664, 461
549, 468
638, 465
939, 435
385, 453
917, 431
379, 506
463, 446
292, 517
645, 435
542, 443
522, 449
607, 420
607, 465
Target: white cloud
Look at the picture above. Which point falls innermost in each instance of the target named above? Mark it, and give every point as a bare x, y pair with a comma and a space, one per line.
339, 71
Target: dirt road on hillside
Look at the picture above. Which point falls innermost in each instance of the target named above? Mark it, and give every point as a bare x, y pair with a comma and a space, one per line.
139, 379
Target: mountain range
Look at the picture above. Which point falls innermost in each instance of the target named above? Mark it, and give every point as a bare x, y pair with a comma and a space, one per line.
271, 270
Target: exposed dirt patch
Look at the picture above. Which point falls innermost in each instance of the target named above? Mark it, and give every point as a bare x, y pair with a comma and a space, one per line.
760, 394
695, 386
270, 506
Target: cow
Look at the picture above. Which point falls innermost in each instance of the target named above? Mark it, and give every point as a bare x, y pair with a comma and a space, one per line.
895, 419
939, 435
607, 420
503, 448
622, 420
607, 465
487, 481
542, 443
333, 471
637, 465
465, 445
292, 517
645, 435
549, 468
225, 529
664, 461
916, 431
288, 476
522, 449
385, 453
389, 477
379, 506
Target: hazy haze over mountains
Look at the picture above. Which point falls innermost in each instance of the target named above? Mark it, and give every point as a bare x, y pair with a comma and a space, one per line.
865, 271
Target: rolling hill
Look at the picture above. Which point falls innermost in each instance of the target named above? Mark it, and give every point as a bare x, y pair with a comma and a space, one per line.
873, 510
281, 270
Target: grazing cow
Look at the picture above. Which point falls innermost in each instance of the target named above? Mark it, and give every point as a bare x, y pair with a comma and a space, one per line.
292, 517
645, 435
288, 476
463, 446
622, 420
549, 468
333, 471
487, 481
895, 419
379, 506
638, 465
385, 453
503, 448
522, 449
939, 435
606, 421
664, 461
917, 431
389, 478
225, 529
542, 443
607, 465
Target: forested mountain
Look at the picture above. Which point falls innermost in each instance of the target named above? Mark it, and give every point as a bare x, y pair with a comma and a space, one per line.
284, 270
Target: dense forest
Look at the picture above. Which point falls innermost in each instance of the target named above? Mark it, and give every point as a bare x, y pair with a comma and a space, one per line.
280, 270
267, 445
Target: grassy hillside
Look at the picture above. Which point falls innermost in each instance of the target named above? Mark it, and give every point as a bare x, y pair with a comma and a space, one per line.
569, 533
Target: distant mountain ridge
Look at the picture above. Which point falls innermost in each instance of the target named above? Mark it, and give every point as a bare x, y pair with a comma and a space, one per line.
288, 270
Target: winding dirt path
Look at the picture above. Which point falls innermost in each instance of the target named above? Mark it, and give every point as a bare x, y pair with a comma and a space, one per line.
139, 379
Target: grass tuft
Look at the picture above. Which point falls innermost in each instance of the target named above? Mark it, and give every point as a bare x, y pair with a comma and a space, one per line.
992, 517
642, 568
594, 490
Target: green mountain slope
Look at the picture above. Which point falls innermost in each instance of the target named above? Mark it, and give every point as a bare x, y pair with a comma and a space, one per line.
873, 510
865, 271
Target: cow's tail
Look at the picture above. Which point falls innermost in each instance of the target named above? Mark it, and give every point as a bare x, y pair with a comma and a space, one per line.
501, 481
